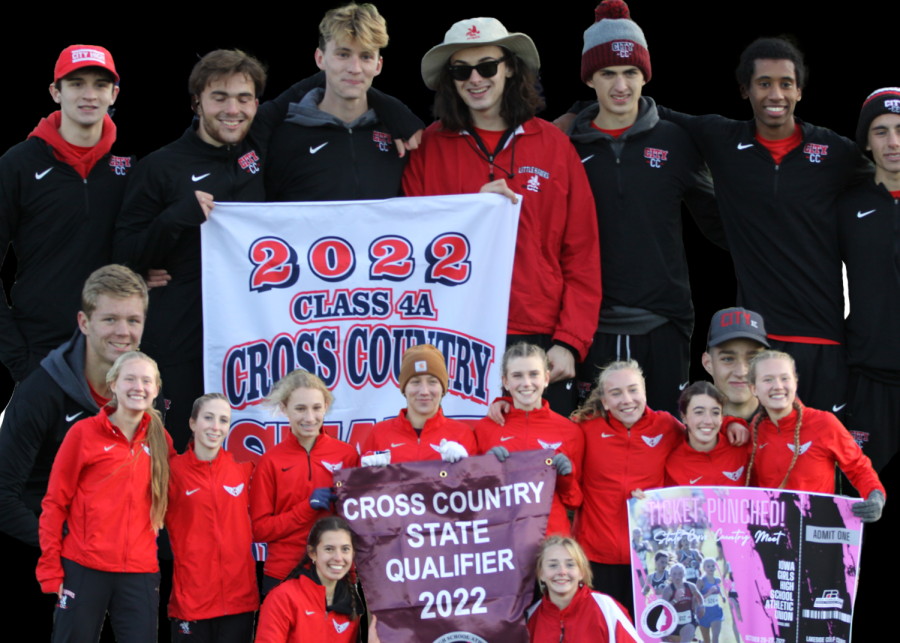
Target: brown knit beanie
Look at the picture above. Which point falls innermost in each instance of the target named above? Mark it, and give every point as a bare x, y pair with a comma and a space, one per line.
423, 359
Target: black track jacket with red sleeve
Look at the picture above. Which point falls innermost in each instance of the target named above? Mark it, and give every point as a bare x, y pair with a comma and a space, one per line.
869, 231
780, 219
208, 520
639, 181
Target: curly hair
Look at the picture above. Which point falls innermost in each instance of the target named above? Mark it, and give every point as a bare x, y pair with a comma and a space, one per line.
780, 48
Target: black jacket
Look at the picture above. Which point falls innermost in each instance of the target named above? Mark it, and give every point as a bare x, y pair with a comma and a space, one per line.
639, 182
42, 409
61, 228
869, 231
316, 157
780, 220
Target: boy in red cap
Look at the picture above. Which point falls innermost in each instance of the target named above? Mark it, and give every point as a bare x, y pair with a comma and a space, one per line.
60, 192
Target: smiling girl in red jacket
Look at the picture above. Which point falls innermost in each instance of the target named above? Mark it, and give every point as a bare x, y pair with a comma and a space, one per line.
530, 424
317, 602
626, 446
796, 447
292, 483
705, 457
214, 593
569, 610
108, 486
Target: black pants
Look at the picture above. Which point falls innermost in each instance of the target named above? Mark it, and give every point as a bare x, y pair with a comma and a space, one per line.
131, 599
615, 580
821, 374
664, 355
563, 395
183, 384
233, 628
873, 418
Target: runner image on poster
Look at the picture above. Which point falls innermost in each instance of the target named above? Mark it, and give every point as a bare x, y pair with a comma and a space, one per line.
748, 565
446, 552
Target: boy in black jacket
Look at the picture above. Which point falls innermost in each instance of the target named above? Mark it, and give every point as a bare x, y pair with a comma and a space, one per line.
60, 191
640, 169
868, 218
332, 145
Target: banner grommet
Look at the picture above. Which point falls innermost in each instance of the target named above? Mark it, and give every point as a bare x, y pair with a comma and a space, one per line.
338, 484
548, 461
443, 474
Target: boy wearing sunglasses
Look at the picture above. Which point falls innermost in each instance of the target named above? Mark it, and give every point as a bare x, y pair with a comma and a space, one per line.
640, 169
488, 140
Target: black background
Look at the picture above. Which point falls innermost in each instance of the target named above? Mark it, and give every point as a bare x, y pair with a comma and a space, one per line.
694, 49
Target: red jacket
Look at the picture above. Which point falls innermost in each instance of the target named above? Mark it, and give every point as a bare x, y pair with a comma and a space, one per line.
100, 487
399, 437
724, 466
541, 429
283, 481
591, 616
294, 612
823, 441
616, 462
556, 274
208, 520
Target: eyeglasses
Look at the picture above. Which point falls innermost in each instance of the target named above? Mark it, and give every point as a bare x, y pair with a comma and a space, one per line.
487, 69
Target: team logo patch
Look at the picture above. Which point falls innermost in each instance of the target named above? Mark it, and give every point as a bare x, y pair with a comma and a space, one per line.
249, 162
120, 164
473, 33
815, 152
332, 467
652, 442
168, 403
64, 599
655, 157
81, 55
530, 169
185, 627
734, 475
384, 140
861, 437
623, 48
340, 627
422, 367
892, 104
549, 445
234, 491
803, 447
534, 184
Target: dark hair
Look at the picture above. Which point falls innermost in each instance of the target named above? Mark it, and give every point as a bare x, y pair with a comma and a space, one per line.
225, 62
780, 48
520, 102
699, 388
323, 525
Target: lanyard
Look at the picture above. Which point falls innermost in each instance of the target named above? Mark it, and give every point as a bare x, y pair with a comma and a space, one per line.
488, 156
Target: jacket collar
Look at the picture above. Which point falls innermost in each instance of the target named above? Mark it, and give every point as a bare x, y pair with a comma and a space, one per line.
581, 131
140, 433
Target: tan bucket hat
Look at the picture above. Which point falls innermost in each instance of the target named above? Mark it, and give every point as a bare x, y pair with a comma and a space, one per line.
476, 32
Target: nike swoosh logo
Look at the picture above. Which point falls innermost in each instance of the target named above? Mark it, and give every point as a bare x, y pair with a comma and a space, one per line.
109, 447
864, 214
308, 613
313, 150
695, 480
744, 147
196, 178
762, 445
69, 418
587, 158
505, 439
40, 175
837, 408
681, 387
187, 493
394, 446
606, 435
289, 468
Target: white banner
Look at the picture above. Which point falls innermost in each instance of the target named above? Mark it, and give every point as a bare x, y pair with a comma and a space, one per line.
341, 289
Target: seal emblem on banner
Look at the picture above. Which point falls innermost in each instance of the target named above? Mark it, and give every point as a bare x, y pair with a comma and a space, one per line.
459, 637
659, 619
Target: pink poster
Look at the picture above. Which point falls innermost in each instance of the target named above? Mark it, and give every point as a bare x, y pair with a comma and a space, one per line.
744, 565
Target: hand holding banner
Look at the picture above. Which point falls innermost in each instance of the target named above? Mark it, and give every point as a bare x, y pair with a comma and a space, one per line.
446, 552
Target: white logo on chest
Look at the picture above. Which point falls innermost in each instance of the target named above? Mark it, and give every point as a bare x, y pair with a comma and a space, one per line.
549, 445
652, 442
734, 475
340, 627
803, 447
234, 491
332, 467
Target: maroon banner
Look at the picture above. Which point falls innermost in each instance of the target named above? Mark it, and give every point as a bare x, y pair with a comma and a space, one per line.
446, 552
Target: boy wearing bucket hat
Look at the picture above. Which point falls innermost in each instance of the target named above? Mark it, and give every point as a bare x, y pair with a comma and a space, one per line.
640, 169
420, 431
867, 216
488, 140
60, 192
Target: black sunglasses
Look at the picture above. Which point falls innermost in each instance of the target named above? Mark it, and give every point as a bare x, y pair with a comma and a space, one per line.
487, 69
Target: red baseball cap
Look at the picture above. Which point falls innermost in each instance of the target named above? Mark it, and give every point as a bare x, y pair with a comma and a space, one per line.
78, 56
